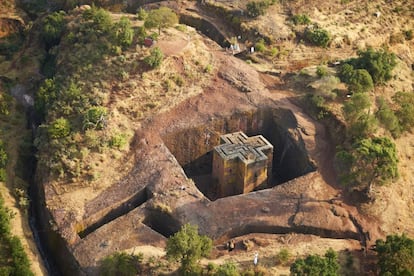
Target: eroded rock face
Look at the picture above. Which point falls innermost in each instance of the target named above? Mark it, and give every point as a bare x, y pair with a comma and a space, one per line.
157, 196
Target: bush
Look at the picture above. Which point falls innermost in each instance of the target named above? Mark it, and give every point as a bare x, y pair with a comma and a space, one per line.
387, 118
118, 141
283, 256
260, 45
52, 28
155, 58
124, 34
59, 128
321, 71
142, 14
405, 110
300, 19
317, 36
95, 118
396, 255
316, 265
121, 263
227, 269
379, 64
256, 8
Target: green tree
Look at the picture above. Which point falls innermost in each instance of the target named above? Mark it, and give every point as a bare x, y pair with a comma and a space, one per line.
122, 264
59, 128
356, 107
388, 118
396, 255
317, 36
314, 265
124, 33
379, 64
360, 81
187, 246
45, 97
155, 58
405, 110
370, 161
52, 28
161, 18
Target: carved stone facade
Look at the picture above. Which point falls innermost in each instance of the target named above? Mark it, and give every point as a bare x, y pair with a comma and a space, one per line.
241, 163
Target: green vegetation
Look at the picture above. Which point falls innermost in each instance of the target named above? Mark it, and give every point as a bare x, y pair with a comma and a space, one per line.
187, 247
121, 263
396, 255
260, 46
379, 64
317, 36
357, 80
314, 265
155, 58
161, 18
387, 118
95, 118
283, 256
300, 19
13, 259
52, 28
405, 109
124, 34
369, 161
59, 128
256, 8
142, 14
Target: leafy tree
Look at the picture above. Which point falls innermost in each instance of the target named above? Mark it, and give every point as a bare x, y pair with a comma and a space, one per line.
100, 21
161, 18
388, 118
356, 107
52, 28
256, 8
314, 265
59, 128
155, 58
317, 36
370, 161
396, 255
300, 19
121, 263
187, 246
379, 64
405, 111
124, 33
363, 127
45, 96
360, 81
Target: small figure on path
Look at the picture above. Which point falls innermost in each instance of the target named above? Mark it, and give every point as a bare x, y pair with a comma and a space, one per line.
255, 260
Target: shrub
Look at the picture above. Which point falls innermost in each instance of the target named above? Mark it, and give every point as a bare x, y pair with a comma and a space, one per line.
121, 263
317, 36
95, 118
405, 110
317, 265
155, 58
379, 64
227, 269
260, 45
142, 14
59, 128
52, 28
256, 8
396, 255
283, 256
408, 34
321, 71
124, 34
118, 141
360, 81
387, 118
300, 19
